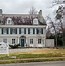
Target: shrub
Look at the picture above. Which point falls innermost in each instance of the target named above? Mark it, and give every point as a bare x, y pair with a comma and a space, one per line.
14, 46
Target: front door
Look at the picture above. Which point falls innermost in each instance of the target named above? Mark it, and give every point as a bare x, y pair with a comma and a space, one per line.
22, 42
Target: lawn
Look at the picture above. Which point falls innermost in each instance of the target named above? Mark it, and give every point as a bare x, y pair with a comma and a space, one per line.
39, 53
36, 55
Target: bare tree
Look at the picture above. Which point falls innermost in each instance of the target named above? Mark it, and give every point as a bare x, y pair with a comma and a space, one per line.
59, 16
55, 2
52, 26
58, 19
32, 12
58, 23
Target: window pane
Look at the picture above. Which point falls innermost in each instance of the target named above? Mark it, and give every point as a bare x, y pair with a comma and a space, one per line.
13, 30
10, 30
33, 30
2, 31
5, 40
37, 31
39, 41
24, 30
19, 30
7, 31
28, 30
31, 41
13, 41
8, 21
41, 30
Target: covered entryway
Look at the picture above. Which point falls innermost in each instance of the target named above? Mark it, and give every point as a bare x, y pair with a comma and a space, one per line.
22, 41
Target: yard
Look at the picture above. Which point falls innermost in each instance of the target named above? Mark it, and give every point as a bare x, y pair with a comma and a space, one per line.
33, 55
37, 51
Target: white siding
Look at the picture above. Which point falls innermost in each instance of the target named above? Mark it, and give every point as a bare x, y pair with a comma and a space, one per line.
17, 36
49, 42
31, 30
0, 30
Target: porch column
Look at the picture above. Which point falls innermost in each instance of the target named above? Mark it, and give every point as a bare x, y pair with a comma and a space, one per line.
35, 30
9, 30
26, 30
17, 30
0, 30
44, 42
26, 45
18, 39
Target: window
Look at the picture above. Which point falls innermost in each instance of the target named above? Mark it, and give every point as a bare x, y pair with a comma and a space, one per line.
5, 31
2, 31
13, 41
19, 30
5, 40
37, 31
24, 30
41, 30
13, 30
31, 41
9, 21
39, 41
33, 30
28, 30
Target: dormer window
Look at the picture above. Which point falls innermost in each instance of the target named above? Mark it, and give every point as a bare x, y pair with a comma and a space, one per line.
9, 21
35, 21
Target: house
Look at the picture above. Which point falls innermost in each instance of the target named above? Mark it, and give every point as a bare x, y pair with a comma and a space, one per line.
20, 29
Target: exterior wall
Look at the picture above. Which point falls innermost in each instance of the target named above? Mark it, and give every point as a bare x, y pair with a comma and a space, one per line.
9, 39
49, 43
17, 36
35, 41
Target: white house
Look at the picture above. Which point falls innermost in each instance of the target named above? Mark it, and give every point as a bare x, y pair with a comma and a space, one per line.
20, 29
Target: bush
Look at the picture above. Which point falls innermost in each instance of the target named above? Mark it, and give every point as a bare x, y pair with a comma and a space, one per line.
14, 46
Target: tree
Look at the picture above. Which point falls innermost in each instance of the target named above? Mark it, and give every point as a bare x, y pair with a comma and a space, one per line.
57, 23
32, 12
58, 26
54, 29
59, 17
55, 2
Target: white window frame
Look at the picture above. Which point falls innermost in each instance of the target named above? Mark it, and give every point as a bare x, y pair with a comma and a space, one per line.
31, 41
5, 40
39, 41
13, 41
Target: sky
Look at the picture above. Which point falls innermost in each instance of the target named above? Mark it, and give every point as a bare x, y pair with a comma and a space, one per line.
23, 6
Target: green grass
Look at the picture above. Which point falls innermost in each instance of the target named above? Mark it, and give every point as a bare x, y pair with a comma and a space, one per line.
20, 56
25, 56
48, 55
31, 60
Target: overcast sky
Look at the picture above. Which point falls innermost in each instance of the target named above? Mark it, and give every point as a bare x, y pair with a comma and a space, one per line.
23, 6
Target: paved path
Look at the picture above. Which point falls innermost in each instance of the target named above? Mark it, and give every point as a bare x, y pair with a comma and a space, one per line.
56, 63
